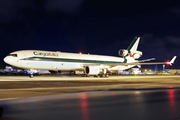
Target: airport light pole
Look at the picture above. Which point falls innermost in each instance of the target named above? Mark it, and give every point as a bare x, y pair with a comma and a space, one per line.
156, 69
163, 67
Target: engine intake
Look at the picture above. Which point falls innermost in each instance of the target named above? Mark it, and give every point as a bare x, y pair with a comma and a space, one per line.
91, 70
123, 52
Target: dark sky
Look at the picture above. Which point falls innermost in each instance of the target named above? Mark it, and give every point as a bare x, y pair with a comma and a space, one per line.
91, 26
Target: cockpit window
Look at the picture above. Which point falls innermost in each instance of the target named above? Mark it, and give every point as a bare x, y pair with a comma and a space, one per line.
14, 55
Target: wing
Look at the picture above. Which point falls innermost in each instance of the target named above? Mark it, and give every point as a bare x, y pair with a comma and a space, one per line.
133, 63
146, 60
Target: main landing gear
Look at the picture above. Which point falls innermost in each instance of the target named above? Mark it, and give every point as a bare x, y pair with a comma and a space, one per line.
104, 75
100, 75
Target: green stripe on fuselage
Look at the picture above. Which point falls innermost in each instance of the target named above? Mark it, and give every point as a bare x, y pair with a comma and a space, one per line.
69, 60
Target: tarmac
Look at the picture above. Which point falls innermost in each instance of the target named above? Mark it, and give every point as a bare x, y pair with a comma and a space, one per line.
137, 97
13, 87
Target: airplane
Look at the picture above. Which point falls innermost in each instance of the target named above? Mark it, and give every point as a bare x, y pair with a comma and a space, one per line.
92, 65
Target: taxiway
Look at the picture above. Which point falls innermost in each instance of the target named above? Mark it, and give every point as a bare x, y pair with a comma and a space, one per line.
117, 97
13, 87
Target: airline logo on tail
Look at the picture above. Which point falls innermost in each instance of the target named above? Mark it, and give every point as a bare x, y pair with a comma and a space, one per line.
132, 54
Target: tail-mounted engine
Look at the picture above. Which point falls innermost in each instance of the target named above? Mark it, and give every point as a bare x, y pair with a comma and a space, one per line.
134, 54
123, 52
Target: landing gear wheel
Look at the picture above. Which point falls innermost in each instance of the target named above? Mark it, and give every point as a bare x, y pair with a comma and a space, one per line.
31, 73
95, 75
85, 75
102, 75
106, 75
31, 76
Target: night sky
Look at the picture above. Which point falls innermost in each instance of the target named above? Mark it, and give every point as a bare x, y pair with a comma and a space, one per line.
91, 26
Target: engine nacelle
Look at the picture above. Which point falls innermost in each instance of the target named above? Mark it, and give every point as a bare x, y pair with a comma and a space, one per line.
123, 52
91, 70
136, 54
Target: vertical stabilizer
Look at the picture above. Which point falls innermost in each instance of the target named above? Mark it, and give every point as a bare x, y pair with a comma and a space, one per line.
134, 45
131, 52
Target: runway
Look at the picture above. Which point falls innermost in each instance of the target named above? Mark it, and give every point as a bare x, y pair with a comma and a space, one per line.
80, 98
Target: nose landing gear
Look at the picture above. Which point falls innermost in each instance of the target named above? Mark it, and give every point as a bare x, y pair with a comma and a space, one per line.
31, 73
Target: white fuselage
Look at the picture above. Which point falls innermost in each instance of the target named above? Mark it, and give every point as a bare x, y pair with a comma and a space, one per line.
48, 60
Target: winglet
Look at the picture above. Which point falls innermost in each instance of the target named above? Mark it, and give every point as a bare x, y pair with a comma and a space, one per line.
172, 61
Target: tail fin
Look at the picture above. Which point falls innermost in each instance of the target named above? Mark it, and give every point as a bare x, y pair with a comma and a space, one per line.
131, 51
134, 45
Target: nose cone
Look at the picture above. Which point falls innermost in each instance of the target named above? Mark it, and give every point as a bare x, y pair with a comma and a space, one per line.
7, 60
12, 61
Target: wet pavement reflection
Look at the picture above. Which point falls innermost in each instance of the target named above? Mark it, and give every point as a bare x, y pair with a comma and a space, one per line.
84, 106
155, 104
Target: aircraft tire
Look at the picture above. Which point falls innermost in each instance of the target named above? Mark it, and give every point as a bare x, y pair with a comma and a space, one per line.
106, 75
102, 75
95, 75
87, 75
31, 76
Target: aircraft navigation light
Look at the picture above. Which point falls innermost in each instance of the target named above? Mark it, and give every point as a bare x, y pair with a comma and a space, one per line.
168, 63
80, 52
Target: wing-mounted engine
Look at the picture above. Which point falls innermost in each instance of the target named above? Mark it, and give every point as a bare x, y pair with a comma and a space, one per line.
96, 71
92, 70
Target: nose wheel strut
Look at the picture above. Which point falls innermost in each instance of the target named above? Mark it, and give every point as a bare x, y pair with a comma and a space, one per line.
31, 73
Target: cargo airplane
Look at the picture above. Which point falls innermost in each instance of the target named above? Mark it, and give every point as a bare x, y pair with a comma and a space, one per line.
92, 65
